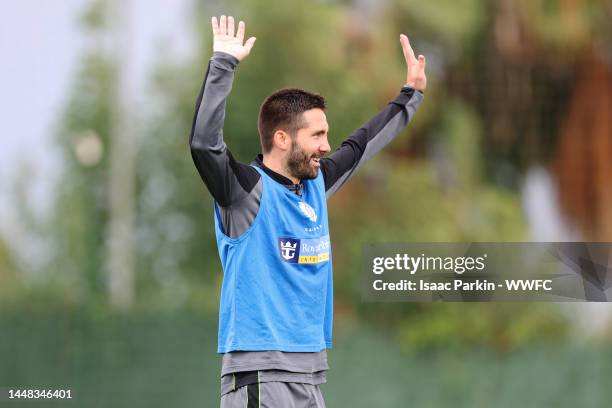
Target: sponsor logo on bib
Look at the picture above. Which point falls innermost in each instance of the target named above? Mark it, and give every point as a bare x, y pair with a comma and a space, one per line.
304, 251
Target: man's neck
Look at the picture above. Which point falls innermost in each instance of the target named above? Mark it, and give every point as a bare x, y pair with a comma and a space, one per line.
275, 165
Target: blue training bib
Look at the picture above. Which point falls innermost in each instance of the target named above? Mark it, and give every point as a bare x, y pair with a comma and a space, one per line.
277, 291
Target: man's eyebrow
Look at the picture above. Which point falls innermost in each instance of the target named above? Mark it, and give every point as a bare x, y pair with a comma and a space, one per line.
319, 132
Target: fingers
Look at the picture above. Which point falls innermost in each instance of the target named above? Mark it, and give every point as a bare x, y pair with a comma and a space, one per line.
226, 26
249, 44
240, 32
223, 25
230, 26
407, 49
215, 26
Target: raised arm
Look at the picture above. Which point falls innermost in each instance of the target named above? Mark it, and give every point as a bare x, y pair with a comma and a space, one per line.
226, 179
369, 139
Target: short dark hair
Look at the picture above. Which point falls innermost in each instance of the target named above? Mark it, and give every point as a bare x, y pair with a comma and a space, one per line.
283, 110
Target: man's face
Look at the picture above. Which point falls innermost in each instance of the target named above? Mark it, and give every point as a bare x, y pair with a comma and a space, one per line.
309, 146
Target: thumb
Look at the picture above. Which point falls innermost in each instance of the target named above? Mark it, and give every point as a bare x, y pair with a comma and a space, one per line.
249, 44
422, 62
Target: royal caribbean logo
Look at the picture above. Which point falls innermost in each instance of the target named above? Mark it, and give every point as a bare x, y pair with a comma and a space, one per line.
289, 249
304, 251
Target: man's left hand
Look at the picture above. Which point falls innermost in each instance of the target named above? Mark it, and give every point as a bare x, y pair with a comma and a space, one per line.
415, 76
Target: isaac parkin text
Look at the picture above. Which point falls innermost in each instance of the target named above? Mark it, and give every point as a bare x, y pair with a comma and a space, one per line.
424, 285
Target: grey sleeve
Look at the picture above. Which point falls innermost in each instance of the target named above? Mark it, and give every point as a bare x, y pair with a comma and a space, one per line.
369, 139
227, 180
230, 182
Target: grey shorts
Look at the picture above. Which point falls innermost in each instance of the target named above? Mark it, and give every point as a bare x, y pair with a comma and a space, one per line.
272, 389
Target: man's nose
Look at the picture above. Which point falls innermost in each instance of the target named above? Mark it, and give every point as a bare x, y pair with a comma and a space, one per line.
325, 147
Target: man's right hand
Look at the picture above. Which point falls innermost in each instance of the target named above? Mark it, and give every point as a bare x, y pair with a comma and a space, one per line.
225, 40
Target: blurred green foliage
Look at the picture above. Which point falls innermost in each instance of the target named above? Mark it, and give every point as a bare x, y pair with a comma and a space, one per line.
81, 209
438, 181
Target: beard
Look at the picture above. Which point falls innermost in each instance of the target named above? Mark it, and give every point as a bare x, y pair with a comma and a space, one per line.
299, 163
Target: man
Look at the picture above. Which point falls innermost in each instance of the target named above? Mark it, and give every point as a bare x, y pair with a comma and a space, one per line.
275, 317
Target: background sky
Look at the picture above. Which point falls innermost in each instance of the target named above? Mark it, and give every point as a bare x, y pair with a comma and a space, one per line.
40, 45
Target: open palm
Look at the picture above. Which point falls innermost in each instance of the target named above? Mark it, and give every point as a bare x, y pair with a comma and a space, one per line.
225, 40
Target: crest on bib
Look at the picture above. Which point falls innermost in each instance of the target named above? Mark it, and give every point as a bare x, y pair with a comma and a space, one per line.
308, 211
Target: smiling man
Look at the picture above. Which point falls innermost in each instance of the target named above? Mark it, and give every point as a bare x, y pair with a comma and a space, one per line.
275, 316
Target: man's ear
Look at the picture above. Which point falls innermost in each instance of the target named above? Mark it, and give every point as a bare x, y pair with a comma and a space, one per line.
282, 140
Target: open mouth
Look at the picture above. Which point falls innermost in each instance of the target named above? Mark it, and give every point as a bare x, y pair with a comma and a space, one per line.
316, 161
